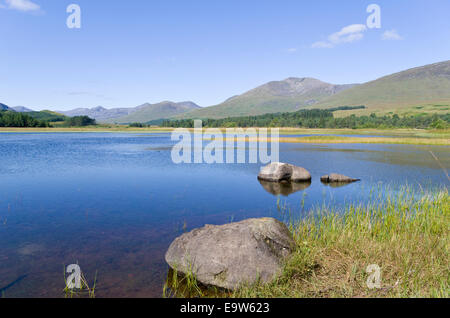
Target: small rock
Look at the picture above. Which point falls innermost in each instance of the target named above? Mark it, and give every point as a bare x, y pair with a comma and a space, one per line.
233, 254
334, 177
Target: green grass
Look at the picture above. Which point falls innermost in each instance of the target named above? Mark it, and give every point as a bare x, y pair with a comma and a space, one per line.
406, 235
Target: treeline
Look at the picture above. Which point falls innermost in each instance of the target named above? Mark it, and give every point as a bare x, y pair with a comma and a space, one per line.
48, 116
13, 119
79, 121
318, 118
22, 120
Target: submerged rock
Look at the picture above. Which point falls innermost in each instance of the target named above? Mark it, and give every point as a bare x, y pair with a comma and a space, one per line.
278, 171
233, 254
337, 178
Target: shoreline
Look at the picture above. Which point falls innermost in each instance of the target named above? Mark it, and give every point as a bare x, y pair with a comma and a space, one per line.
320, 136
406, 237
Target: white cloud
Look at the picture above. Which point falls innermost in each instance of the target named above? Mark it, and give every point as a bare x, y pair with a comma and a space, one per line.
291, 50
22, 5
391, 35
348, 34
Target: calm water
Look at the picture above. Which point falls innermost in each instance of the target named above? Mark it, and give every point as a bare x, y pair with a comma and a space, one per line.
113, 203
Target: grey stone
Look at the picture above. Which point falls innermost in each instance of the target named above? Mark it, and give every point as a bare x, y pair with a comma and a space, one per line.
300, 174
233, 254
275, 172
278, 171
337, 178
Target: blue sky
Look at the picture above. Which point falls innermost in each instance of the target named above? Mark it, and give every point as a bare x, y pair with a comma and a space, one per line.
131, 52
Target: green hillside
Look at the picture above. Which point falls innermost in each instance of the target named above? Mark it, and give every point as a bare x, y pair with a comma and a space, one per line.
47, 115
279, 96
423, 89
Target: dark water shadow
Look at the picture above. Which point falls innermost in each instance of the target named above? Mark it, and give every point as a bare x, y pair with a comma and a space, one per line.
284, 188
15, 282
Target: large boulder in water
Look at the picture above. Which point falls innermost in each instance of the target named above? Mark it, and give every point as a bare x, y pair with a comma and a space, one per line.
275, 172
233, 254
300, 174
337, 178
278, 171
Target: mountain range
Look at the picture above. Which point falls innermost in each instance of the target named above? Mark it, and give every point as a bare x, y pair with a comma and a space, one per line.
143, 113
417, 90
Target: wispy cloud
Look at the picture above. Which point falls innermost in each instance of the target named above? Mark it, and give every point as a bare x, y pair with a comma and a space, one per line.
348, 34
291, 50
87, 93
21, 5
391, 35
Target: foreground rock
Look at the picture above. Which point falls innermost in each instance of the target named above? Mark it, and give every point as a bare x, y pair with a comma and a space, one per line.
277, 172
233, 254
337, 178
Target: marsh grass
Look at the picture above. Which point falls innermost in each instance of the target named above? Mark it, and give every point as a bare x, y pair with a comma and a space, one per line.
432, 141
179, 285
406, 234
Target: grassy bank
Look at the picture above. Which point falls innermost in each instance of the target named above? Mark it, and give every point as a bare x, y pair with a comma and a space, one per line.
367, 140
352, 140
407, 236
394, 136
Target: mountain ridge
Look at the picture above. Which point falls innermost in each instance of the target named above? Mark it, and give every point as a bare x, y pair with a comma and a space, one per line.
289, 94
419, 89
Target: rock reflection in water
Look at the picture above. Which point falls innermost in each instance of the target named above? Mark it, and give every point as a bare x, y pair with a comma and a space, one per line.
336, 184
284, 188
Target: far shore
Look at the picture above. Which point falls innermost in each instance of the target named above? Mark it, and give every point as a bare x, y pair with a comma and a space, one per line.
320, 136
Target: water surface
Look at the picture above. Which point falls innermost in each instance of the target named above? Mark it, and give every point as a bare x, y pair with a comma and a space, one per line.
114, 202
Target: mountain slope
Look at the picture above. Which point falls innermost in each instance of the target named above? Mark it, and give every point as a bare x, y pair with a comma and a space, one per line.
149, 112
22, 109
420, 89
5, 107
278, 96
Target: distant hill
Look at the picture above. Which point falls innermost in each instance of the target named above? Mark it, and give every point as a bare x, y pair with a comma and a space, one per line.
143, 113
22, 109
99, 113
149, 112
417, 90
279, 96
5, 107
